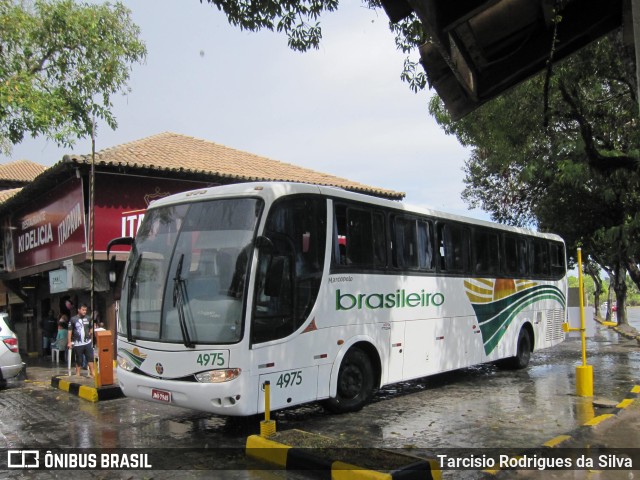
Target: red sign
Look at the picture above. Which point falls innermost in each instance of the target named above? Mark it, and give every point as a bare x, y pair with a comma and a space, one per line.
51, 229
122, 200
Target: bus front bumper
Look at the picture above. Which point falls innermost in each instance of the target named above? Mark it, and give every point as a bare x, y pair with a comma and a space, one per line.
227, 398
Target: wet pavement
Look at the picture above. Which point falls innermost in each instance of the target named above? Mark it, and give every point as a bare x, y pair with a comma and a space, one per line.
471, 410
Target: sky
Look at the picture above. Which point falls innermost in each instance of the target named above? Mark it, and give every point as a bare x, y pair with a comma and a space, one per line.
341, 109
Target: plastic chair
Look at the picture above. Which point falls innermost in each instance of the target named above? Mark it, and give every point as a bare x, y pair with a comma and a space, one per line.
55, 354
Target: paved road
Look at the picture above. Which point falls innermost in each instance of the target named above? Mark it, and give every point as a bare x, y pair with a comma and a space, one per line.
481, 407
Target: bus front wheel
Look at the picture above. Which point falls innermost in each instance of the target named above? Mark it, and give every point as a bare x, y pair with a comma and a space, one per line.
355, 383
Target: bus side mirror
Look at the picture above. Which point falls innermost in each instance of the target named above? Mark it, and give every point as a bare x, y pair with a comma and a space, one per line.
113, 273
275, 276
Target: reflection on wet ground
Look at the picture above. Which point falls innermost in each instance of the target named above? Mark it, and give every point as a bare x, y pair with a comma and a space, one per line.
485, 406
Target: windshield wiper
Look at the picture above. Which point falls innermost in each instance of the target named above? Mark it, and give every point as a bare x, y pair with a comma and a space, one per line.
178, 301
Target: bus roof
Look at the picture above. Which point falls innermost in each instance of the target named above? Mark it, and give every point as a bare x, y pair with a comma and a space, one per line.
273, 190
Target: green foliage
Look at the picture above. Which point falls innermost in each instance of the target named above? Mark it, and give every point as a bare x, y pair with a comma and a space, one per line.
560, 152
299, 21
568, 165
633, 293
60, 65
296, 18
590, 288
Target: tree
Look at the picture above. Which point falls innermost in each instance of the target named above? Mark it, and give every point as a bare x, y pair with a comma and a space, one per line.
299, 21
60, 64
549, 146
593, 288
570, 166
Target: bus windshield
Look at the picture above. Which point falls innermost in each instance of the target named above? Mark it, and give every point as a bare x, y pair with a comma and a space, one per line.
185, 281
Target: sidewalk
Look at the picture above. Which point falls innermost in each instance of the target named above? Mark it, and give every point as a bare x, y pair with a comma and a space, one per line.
44, 370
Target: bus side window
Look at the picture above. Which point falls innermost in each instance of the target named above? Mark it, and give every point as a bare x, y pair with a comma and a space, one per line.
426, 254
340, 235
405, 250
453, 247
539, 257
486, 251
359, 237
523, 265
557, 259
379, 240
289, 274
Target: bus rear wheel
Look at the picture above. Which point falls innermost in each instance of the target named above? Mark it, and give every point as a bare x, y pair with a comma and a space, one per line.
355, 383
523, 354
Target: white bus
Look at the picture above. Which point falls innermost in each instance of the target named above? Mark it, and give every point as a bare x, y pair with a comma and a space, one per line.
327, 294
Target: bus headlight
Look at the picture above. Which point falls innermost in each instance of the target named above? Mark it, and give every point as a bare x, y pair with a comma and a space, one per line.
218, 376
125, 364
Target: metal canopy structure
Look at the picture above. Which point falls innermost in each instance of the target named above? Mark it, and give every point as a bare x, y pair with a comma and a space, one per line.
479, 49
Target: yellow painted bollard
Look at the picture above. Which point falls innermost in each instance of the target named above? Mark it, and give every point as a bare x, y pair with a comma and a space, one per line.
267, 426
584, 373
584, 381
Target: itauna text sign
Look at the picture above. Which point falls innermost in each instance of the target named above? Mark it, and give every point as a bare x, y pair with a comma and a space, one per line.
122, 200
51, 228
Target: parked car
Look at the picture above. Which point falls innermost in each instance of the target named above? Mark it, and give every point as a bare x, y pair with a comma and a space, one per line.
10, 361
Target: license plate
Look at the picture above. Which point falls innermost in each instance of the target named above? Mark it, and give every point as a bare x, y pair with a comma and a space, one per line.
161, 395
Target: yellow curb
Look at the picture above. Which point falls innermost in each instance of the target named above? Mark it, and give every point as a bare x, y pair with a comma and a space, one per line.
436, 472
635, 389
625, 403
64, 385
267, 450
88, 393
346, 471
492, 472
554, 442
599, 419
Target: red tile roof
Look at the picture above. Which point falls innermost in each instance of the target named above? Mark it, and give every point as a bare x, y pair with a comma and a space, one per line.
20, 171
7, 194
180, 153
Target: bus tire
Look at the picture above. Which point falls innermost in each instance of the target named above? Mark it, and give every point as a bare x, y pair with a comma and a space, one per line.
355, 383
523, 354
